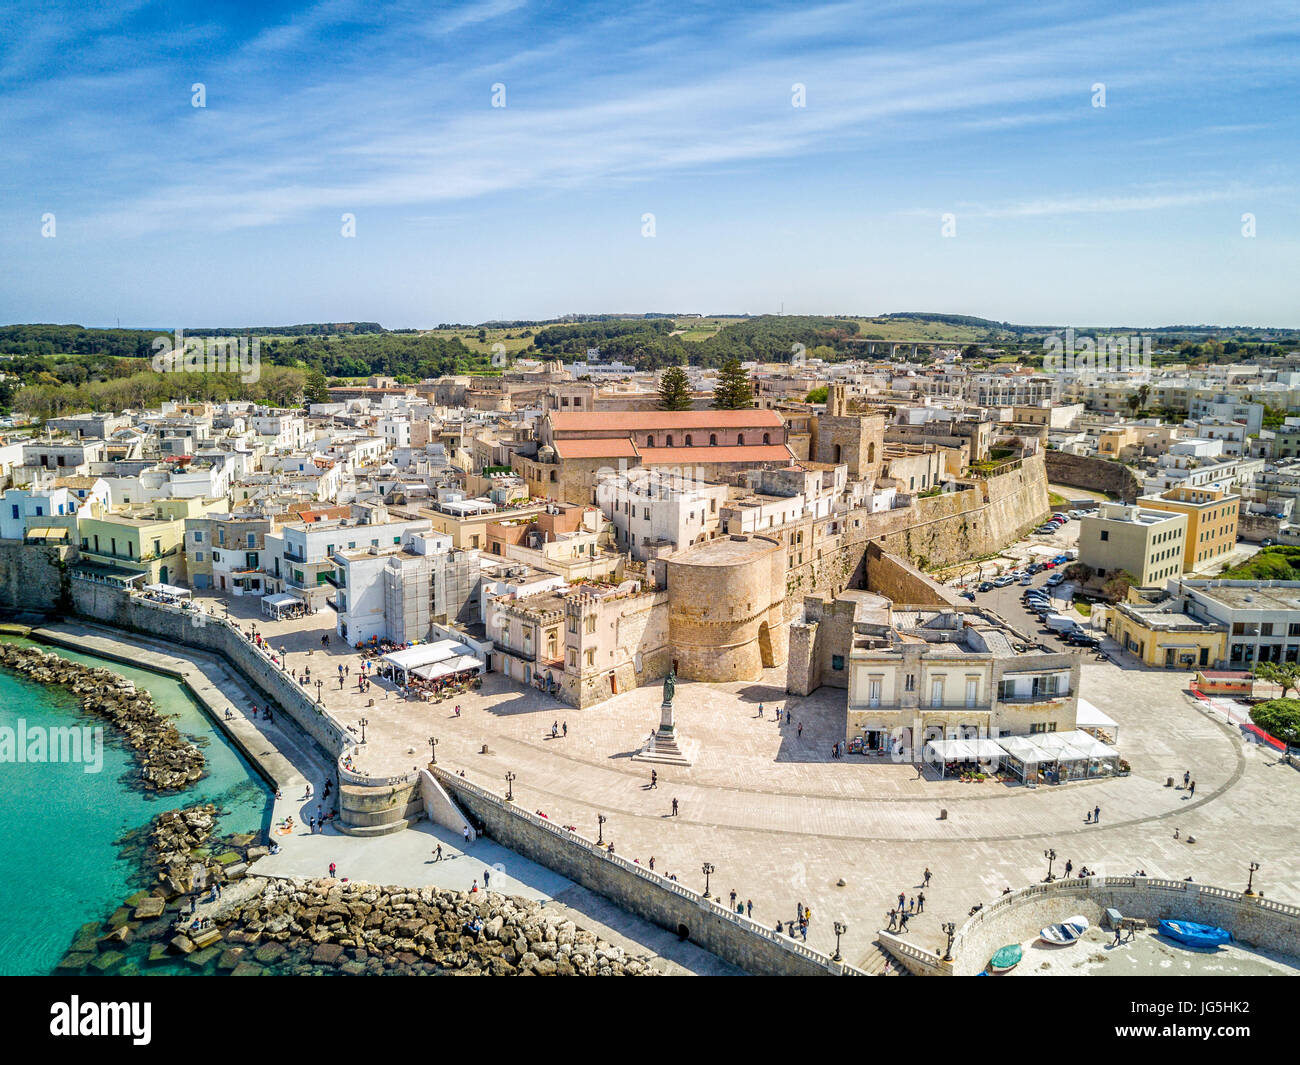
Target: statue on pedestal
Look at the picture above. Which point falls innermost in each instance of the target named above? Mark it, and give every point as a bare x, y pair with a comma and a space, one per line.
670, 687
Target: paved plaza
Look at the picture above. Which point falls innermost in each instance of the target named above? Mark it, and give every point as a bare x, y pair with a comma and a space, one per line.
784, 823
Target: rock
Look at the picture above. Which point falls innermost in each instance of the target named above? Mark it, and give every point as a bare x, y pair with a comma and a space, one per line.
326, 954
75, 961
150, 906
182, 945
247, 968
205, 937
107, 963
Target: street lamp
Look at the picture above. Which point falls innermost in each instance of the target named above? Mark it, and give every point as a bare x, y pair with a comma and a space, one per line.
363, 723
1250, 882
707, 869
949, 930
1050, 855
510, 786
433, 750
840, 929
318, 698
600, 834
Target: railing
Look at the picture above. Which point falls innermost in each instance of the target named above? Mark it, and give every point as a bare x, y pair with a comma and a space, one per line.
658, 879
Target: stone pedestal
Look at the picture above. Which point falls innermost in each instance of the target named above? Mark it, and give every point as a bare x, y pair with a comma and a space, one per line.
665, 742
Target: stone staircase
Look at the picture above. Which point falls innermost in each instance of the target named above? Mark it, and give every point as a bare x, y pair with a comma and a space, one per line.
664, 749
874, 964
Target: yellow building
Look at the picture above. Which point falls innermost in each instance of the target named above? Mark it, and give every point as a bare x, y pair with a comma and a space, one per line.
1163, 635
146, 538
1211, 522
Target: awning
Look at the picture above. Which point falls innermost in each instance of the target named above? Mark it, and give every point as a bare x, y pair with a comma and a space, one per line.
167, 589
1088, 717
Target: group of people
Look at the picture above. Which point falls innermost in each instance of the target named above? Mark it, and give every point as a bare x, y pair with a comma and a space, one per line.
799, 926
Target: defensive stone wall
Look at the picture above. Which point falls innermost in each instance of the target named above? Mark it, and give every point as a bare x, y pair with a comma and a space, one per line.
34, 577
1094, 474
901, 582
663, 902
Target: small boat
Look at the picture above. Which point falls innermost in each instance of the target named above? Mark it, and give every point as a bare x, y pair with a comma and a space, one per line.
1068, 931
1006, 958
1195, 935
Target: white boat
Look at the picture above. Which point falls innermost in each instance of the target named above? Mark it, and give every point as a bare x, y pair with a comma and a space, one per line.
1068, 931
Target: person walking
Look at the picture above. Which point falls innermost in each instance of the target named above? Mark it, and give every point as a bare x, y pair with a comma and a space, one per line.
1191, 790
733, 898
893, 921
437, 853
654, 779
467, 833
902, 921
674, 807
926, 877
799, 730
1069, 868
760, 709
565, 728
333, 868
1187, 776
487, 879
902, 900
749, 907
920, 902
1096, 815
911, 905
652, 863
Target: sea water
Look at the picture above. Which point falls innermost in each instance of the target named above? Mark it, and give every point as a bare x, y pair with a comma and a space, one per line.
59, 825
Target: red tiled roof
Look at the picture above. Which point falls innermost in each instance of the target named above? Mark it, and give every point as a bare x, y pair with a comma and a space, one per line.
643, 420
743, 453
599, 448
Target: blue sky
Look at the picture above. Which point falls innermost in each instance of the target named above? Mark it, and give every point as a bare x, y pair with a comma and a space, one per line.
1066, 213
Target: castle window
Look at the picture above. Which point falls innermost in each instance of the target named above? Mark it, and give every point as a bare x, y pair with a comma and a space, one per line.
740, 438
767, 438
688, 439
669, 441
713, 439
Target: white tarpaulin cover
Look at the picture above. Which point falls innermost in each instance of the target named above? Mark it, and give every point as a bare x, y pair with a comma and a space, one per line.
167, 589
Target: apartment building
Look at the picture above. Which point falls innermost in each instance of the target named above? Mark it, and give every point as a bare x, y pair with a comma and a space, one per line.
917, 675
1149, 544
1212, 516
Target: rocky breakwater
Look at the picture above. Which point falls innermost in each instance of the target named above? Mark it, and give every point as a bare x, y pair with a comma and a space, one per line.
326, 925
168, 761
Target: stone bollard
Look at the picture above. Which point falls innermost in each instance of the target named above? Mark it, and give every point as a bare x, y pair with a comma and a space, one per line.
943, 815
1169, 782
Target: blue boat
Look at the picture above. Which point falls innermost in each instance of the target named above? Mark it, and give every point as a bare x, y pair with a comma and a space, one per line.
1195, 935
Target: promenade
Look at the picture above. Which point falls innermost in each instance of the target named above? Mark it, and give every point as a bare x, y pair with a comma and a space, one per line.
784, 823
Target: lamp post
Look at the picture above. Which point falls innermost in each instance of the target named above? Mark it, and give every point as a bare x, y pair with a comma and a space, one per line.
708, 870
1050, 855
840, 929
318, 684
433, 750
510, 787
600, 832
949, 930
363, 723
1250, 882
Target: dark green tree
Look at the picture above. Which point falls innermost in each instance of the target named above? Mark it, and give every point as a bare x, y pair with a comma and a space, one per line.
733, 391
317, 388
674, 391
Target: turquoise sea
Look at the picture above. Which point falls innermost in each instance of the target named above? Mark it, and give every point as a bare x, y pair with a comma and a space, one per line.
59, 825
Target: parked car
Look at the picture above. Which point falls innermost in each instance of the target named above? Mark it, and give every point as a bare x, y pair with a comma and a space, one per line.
1049, 565
1026, 579
1035, 567
1082, 639
1055, 579
1266, 542
1002, 582
968, 595
985, 586
1062, 518
1044, 530
1061, 560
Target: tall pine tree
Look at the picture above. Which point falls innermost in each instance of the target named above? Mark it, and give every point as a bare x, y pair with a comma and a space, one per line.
674, 391
733, 391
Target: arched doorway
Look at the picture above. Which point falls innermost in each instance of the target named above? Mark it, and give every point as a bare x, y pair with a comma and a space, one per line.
765, 646
162, 574
838, 450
